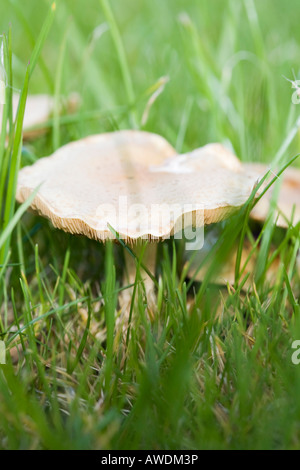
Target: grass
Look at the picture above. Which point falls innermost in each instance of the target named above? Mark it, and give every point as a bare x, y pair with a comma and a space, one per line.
211, 368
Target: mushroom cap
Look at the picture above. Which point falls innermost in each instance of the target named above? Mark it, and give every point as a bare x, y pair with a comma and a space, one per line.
126, 180
226, 274
37, 111
288, 202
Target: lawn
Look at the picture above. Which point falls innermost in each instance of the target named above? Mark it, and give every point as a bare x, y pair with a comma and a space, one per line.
209, 366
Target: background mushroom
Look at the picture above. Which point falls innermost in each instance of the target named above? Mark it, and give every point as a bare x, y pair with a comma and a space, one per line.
134, 183
38, 111
226, 272
288, 202
287, 211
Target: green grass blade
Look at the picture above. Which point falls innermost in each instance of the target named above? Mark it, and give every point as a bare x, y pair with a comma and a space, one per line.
121, 56
42, 38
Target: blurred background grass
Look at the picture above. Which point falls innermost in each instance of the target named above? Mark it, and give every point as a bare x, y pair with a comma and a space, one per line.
219, 376
225, 61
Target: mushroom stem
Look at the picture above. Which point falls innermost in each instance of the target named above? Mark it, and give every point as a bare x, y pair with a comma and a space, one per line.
149, 260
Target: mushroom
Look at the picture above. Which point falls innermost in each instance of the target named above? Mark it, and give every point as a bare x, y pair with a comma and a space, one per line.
287, 210
37, 112
87, 183
132, 183
288, 202
226, 273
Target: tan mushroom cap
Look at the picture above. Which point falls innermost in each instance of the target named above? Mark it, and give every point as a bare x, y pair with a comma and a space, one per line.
37, 111
288, 202
120, 178
226, 273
